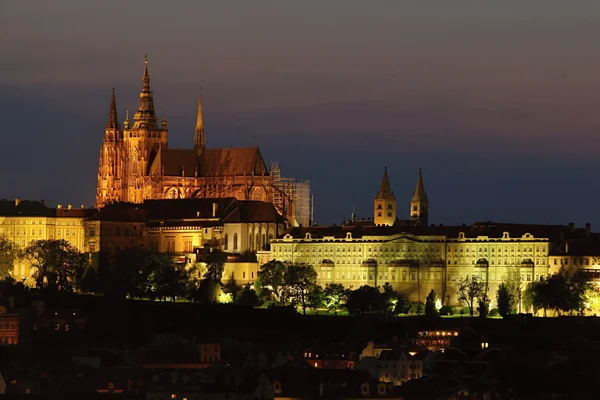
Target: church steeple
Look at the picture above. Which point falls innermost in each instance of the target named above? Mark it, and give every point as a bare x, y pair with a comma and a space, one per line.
113, 120
145, 117
419, 204
385, 203
199, 139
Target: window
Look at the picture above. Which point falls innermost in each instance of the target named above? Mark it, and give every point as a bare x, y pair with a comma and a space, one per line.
225, 242
92, 247
187, 244
171, 246
235, 242
92, 231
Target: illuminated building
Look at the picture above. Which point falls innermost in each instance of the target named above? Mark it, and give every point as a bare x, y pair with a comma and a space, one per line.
136, 163
188, 229
415, 257
25, 221
9, 327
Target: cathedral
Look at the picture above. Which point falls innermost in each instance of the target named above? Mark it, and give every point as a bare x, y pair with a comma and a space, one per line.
136, 163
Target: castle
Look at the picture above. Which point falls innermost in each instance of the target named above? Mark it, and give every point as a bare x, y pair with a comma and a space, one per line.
415, 257
136, 163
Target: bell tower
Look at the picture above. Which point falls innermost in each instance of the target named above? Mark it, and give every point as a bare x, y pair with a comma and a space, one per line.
110, 163
419, 204
385, 203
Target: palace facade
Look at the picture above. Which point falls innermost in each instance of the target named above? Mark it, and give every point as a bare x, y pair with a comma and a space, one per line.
24, 221
136, 163
415, 257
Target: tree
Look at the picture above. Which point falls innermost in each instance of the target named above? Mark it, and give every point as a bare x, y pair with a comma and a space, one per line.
8, 255
389, 299
247, 297
484, 305
299, 279
58, 265
366, 299
271, 274
431, 310
505, 299
316, 298
469, 289
165, 278
335, 294
215, 264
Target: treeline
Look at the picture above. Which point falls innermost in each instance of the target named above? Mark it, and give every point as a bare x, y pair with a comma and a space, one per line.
138, 274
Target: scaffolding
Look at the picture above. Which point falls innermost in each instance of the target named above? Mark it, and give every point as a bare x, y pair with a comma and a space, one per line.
293, 193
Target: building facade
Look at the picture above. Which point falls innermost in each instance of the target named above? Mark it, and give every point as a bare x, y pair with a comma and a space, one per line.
25, 221
136, 163
415, 257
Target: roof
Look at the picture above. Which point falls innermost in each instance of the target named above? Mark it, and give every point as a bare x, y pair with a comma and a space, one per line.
419, 193
578, 247
253, 211
210, 163
120, 212
178, 162
24, 208
188, 208
232, 162
385, 190
554, 233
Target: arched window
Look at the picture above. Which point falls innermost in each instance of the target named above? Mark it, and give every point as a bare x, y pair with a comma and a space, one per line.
264, 240
235, 242
270, 237
226, 242
257, 242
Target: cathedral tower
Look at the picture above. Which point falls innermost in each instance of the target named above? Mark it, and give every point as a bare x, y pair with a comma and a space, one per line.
419, 204
143, 141
110, 164
385, 203
199, 139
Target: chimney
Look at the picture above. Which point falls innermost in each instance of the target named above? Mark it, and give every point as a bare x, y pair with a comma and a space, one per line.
17, 202
571, 227
197, 214
59, 206
567, 247
70, 206
588, 229
214, 210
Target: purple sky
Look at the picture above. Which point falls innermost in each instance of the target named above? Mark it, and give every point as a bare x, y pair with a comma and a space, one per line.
496, 101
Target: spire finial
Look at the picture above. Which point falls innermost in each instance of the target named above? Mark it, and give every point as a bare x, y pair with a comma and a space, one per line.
113, 120
146, 58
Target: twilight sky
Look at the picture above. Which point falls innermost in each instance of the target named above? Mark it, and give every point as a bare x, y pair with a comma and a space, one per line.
496, 101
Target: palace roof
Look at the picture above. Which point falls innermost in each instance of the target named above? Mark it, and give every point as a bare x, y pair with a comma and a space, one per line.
555, 233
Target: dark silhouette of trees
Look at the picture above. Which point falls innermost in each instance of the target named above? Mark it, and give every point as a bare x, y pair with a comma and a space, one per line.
247, 297
389, 298
8, 255
335, 296
469, 289
366, 299
215, 264
299, 279
58, 265
271, 275
505, 299
560, 293
316, 298
431, 310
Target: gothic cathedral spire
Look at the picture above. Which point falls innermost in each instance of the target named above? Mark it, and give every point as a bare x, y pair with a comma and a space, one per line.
113, 120
419, 204
145, 117
385, 203
199, 139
